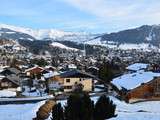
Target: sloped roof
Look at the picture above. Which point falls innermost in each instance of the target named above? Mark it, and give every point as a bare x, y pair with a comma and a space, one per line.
50, 74
14, 70
14, 79
137, 66
32, 68
76, 73
133, 80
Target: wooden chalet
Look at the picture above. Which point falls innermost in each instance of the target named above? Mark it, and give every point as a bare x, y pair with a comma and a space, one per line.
34, 71
10, 83
146, 91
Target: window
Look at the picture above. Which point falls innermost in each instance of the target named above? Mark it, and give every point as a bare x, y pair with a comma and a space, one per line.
4, 84
67, 80
67, 87
158, 87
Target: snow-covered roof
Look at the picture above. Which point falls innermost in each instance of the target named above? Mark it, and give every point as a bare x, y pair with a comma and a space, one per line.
130, 81
72, 66
93, 67
137, 66
47, 67
50, 74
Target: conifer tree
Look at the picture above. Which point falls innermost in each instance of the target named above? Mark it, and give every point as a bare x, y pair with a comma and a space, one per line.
104, 108
79, 107
57, 112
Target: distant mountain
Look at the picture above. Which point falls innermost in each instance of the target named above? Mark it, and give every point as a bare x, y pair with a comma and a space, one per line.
143, 34
21, 33
6, 33
144, 37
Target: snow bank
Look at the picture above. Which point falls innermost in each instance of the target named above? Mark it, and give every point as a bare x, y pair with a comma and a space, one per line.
7, 93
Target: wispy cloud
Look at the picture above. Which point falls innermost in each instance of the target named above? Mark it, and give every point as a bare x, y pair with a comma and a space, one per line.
121, 13
90, 15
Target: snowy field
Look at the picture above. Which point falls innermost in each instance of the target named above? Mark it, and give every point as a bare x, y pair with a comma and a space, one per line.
19, 111
139, 111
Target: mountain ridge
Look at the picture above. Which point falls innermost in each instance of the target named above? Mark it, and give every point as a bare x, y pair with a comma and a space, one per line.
39, 34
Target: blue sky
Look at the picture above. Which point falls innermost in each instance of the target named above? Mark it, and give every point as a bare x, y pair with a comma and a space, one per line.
80, 15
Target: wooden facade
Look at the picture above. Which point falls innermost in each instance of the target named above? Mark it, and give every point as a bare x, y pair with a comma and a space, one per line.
34, 71
5, 83
148, 91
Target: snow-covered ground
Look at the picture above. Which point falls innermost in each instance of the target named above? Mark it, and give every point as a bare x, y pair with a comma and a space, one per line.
139, 111
7, 93
125, 46
149, 111
132, 111
142, 46
19, 111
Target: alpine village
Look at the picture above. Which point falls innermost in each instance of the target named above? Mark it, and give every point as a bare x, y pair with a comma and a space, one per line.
102, 72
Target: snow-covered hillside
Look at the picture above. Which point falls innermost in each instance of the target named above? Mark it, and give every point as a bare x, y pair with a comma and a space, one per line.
59, 45
124, 46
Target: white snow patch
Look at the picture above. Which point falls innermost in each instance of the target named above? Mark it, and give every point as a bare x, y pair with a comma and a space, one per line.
10, 32
30, 39
142, 46
56, 44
